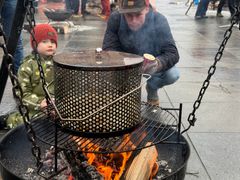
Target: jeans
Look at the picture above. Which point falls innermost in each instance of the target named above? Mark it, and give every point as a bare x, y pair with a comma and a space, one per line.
202, 8
230, 6
83, 6
8, 12
158, 80
72, 5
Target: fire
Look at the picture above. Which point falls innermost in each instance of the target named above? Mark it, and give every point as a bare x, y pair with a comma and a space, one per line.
110, 166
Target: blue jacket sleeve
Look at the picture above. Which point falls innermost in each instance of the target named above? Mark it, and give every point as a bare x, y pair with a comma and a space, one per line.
168, 53
111, 39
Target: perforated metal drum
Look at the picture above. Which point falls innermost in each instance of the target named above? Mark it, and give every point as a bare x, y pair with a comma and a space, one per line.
98, 92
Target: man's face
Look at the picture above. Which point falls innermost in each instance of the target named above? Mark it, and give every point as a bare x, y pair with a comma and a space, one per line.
136, 20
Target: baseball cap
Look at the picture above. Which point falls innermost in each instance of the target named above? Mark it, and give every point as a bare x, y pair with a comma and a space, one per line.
132, 6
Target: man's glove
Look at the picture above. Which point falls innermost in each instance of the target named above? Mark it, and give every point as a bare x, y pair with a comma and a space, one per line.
151, 64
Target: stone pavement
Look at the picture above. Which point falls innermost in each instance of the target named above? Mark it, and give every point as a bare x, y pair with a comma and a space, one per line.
214, 138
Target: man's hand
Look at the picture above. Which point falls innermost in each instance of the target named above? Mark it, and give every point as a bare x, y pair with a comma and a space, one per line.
152, 67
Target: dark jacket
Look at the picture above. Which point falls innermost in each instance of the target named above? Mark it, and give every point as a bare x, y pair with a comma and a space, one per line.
154, 37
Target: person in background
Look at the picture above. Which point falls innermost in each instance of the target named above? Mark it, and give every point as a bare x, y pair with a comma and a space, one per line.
84, 12
106, 10
73, 6
231, 4
202, 9
138, 29
29, 75
7, 16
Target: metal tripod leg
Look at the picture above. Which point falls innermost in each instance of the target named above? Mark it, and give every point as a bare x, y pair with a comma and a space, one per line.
189, 7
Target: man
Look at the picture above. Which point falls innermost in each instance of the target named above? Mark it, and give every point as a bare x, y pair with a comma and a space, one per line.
202, 9
231, 7
72, 5
138, 29
105, 9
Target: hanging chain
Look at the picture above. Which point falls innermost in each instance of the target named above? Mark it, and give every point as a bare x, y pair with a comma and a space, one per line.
32, 23
18, 95
192, 118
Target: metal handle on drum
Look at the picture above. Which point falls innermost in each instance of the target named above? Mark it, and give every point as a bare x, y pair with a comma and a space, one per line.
147, 76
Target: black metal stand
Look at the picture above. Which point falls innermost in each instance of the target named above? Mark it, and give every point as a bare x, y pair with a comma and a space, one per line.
50, 132
189, 7
12, 43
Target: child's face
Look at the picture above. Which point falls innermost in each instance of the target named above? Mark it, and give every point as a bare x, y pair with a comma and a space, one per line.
47, 47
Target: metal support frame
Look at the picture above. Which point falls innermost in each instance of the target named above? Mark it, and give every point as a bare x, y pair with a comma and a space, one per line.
12, 42
190, 5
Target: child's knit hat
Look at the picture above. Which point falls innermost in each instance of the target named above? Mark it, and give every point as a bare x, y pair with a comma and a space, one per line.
43, 32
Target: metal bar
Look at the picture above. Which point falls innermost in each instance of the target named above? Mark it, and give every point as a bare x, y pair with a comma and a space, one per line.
71, 141
162, 137
137, 132
180, 118
189, 8
62, 137
93, 143
12, 43
56, 147
68, 140
174, 142
45, 132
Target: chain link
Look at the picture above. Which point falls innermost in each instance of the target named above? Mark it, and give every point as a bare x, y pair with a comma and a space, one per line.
29, 4
31, 21
18, 93
192, 118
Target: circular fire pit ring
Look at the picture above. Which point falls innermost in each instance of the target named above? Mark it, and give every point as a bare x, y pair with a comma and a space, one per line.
15, 157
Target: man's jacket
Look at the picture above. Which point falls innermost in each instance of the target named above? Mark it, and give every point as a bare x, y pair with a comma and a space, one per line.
154, 37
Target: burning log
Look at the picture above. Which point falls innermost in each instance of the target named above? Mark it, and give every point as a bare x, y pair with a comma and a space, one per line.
111, 166
143, 165
81, 169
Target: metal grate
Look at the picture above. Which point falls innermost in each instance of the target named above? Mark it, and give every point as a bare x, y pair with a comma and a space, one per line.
157, 125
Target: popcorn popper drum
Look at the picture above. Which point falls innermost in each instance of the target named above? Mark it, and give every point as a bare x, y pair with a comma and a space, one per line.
98, 91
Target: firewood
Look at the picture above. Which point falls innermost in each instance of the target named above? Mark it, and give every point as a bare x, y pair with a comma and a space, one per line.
142, 165
154, 170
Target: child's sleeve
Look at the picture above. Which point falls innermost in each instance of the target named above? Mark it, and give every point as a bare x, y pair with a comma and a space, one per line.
30, 99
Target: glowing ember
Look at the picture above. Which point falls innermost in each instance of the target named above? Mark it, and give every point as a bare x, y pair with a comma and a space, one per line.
110, 166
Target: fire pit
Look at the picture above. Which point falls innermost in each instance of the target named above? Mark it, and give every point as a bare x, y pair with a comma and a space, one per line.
101, 129
172, 148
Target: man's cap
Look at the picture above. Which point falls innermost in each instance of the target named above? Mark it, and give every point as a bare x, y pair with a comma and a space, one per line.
132, 6
44, 32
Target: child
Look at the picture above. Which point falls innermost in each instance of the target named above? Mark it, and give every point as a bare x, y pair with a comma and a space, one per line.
29, 75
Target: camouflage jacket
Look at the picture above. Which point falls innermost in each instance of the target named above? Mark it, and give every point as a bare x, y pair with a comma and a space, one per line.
31, 83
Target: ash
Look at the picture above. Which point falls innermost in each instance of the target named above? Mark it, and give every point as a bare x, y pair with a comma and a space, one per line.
47, 169
163, 170
70, 165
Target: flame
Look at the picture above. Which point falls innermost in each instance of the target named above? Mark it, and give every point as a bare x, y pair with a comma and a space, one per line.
110, 166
